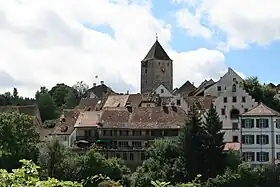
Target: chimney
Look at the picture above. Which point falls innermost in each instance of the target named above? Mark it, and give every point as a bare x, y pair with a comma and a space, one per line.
101, 82
94, 84
192, 83
127, 92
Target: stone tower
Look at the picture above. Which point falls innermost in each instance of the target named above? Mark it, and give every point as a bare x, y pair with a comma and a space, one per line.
156, 68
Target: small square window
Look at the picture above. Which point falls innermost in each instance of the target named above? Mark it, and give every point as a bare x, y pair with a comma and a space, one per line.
234, 126
243, 99
219, 88
234, 99
225, 99
245, 109
234, 79
223, 111
178, 102
161, 90
234, 138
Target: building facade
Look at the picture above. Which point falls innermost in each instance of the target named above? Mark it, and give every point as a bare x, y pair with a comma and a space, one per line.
260, 134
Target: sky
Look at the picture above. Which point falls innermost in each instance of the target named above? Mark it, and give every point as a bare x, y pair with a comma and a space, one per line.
45, 42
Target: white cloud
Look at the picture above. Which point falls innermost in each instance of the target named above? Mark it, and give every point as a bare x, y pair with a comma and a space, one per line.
191, 23
244, 22
46, 42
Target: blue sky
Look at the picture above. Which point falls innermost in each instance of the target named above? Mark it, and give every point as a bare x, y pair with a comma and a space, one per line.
109, 38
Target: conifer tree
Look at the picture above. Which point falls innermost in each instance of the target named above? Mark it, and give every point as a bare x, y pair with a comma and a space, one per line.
214, 143
192, 139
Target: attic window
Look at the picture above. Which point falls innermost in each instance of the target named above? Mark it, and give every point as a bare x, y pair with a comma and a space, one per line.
219, 88
234, 88
234, 79
64, 129
161, 90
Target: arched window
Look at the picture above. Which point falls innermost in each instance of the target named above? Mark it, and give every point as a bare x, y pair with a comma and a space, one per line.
234, 88
234, 113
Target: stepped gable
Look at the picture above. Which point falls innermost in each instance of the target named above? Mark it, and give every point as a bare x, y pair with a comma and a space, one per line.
65, 125
261, 110
156, 53
143, 118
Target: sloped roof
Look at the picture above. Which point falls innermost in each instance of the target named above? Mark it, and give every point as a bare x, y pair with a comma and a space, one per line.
143, 117
187, 87
116, 101
261, 110
232, 146
99, 90
66, 125
87, 119
156, 52
88, 103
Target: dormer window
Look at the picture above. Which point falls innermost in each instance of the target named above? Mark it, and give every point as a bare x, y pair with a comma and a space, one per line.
234, 88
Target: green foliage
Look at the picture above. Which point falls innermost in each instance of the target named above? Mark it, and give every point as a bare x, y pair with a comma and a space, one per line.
18, 139
213, 144
192, 141
49, 123
262, 93
71, 99
46, 105
59, 92
28, 176
9, 99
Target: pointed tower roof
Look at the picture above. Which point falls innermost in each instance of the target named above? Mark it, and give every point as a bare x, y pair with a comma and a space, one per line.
156, 52
261, 110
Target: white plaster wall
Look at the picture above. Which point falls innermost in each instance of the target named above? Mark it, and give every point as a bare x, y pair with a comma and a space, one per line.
271, 131
239, 105
225, 82
184, 105
166, 93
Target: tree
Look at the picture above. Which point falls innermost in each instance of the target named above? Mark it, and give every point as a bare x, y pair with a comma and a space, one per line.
214, 144
192, 141
50, 158
161, 165
42, 90
71, 99
18, 139
28, 176
46, 106
81, 88
59, 93
15, 93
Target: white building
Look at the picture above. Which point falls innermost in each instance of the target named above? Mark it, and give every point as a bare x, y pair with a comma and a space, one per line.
231, 101
229, 105
260, 132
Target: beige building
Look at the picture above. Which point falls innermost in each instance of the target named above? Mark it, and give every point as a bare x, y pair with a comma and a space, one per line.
123, 132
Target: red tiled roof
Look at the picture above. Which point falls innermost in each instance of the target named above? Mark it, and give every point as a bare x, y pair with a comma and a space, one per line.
143, 117
66, 125
261, 110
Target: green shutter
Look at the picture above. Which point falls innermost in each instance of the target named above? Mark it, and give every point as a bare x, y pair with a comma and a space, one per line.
266, 123
258, 139
242, 123
258, 123
252, 123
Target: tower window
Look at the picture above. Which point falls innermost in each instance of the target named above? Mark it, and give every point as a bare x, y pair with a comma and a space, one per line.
146, 70
167, 64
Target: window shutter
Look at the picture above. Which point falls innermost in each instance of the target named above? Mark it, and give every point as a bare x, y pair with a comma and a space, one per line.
243, 139
253, 139
266, 139
252, 123
266, 156
242, 123
253, 156
258, 123
258, 139
258, 156
266, 123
